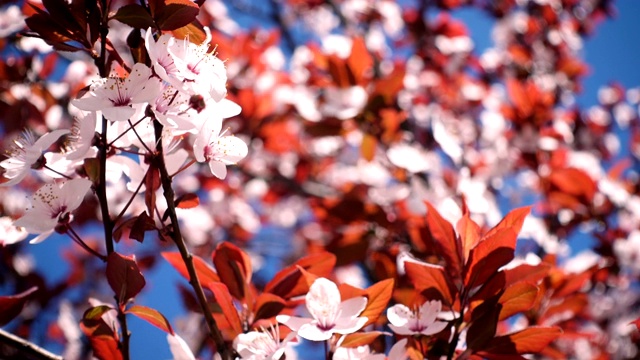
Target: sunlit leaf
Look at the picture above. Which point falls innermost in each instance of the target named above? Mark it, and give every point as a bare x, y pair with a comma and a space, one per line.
152, 316
234, 268
205, 272
445, 237
124, 277
428, 277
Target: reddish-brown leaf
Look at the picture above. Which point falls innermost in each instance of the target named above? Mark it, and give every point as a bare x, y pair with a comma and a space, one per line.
234, 269
187, 201
636, 322
489, 255
378, 296
194, 32
206, 273
290, 282
142, 224
104, 342
267, 306
444, 235
469, 234
360, 339
513, 220
151, 183
517, 298
124, 277
224, 300
431, 278
574, 182
11, 306
152, 316
530, 340
135, 16
176, 14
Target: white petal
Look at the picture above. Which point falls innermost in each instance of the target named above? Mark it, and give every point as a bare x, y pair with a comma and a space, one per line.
429, 311
400, 330
313, 333
399, 350
435, 328
292, 322
73, 192
352, 307
232, 148
218, 169
179, 348
40, 238
348, 326
399, 315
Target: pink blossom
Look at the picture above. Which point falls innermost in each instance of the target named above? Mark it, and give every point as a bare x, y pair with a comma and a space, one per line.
329, 314
404, 321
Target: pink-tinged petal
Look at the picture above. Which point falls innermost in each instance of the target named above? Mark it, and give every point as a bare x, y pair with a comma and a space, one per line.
40, 238
118, 113
14, 178
48, 139
73, 192
232, 149
399, 350
179, 348
323, 299
434, 328
314, 333
227, 108
399, 315
218, 169
36, 222
352, 307
429, 311
347, 326
293, 322
401, 330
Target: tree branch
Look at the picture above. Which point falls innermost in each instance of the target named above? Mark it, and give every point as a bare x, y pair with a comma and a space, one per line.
14, 347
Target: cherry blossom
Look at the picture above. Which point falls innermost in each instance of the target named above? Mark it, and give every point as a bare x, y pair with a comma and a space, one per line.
179, 348
52, 206
218, 149
422, 320
27, 153
265, 344
329, 314
10, 234
119, 98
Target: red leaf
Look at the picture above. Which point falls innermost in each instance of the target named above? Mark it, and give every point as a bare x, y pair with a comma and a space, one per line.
152, 316
290, 282
206, 273
574, 182
11, 306
517, 298
187, 201
234, 269
636, 322
174, 14
224, 300
124, 277
135, 16
142, 224
489, 255
267, 306
445, 237
469, 234
103, 340
151, 183
514, 220
360, 339
429, 277
378, 296
530, 340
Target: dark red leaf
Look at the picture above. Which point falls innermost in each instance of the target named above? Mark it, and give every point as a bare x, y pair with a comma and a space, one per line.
11, 306
533, 339
175, 14
135, 16
124, 277
267, 306
234, 269
142, 224
152, 316
206, 273
489, 255
187, 201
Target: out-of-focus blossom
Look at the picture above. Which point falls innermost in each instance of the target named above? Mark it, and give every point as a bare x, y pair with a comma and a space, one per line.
10, 234
179, 348
263, 345
27, 153
422, 320
329, 314
120, 98
11, 20
52, 206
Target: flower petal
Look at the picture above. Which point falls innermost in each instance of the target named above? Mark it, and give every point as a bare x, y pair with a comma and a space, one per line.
314, 333
293, 322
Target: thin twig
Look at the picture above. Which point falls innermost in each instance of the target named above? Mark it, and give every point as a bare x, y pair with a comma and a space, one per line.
24, 349
176, 235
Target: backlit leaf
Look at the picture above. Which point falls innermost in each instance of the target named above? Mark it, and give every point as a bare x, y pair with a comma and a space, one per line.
432, 279
152, 316
234, 268
205, 272
445, 237
124, 277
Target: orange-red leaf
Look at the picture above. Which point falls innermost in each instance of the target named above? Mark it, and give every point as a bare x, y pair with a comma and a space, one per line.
469, 234
431, 278
444, 235
514, 220
187, 201
234, 269
152, 316
267, 306
378, 296
530, 340
224, 300
360, 339
290, 282
206, 273
517, 298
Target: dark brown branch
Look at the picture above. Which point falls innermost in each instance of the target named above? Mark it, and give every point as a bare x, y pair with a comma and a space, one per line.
14, 347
